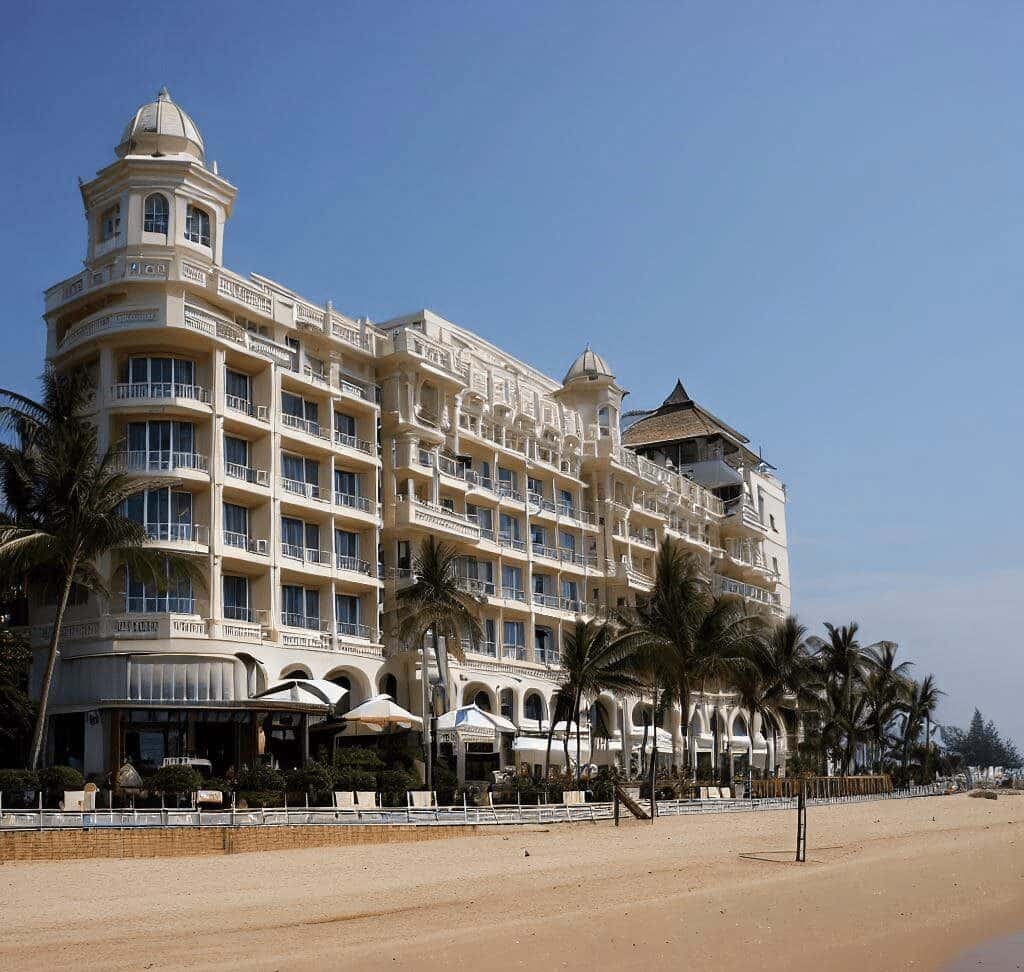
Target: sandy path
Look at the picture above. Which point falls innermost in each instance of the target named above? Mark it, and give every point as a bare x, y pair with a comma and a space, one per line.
888, 885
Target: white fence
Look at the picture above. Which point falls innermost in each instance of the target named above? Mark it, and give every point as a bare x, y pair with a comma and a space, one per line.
542, 813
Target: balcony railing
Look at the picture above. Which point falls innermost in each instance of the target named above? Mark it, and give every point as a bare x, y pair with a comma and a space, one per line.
726, 585
487, 648
310, 623
513, 594
352, 629
158, 460
308, 555
474, 585
505, 489
352, 501
177, 532
514, 652
507, 540
547, 600
242, 541
131, 391
299, 488
308, 426
352, 442
343, 562
243, 405
239, 612
247, 474
543, 550
159, 604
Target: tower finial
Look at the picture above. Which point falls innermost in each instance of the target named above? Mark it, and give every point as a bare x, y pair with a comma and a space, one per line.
163, 94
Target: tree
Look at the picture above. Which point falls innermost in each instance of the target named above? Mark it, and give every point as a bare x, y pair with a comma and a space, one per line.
659, 635
980, 745
842, 661
593, 661
436, 604
63, 510
886, 683
17, 713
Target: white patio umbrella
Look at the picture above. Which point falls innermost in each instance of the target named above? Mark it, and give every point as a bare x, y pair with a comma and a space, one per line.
470, 723
381, 712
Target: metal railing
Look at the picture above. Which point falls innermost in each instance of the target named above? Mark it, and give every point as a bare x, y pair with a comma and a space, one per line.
352, 442
127, 391
177, 532
308, 490
160, 460
242, 541
238, 404
352, 501
247, 474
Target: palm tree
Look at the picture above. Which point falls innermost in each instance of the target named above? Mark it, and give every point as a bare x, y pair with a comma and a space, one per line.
593, 661
788, 668
843, 660
724, 639
659, 634
921, 701
64, 508
885, 683
436, 604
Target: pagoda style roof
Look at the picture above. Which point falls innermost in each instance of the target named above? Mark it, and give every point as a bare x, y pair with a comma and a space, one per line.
680, 417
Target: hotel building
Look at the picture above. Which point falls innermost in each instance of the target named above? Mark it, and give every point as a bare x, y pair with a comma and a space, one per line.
301, 455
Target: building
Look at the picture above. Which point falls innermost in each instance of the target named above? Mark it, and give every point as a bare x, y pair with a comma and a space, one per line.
300, 455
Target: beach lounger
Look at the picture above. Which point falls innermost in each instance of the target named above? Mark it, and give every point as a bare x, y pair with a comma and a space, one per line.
573, 797
713, 793
344, 800
421, 799
367, 799
704, 793
725, 793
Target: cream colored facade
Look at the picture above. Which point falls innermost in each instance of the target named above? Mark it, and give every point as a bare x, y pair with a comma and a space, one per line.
301, 455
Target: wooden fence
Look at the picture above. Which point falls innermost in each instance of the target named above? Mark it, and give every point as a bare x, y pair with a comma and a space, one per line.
823, 787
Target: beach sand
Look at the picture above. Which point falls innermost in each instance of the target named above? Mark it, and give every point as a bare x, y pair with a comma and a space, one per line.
887, 885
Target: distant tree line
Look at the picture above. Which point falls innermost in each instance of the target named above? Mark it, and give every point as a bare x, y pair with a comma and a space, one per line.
981, 744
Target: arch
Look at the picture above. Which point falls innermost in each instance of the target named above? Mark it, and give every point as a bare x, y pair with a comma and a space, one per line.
698, 722
601, 716
534, 708
110, 222
296, 671
388, 685
739, 725
429, 402
358, 686
507, 703
482, 700
641, 714
255, 672
155, 213
197, 226
473, 690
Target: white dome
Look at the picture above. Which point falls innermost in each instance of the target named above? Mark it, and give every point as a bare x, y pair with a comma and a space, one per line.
587, 364
161, 128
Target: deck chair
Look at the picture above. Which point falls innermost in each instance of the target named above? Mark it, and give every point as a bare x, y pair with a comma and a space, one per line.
573, 797
713, 793
703, 793
367, 800
725, 793
344, 800
421, 799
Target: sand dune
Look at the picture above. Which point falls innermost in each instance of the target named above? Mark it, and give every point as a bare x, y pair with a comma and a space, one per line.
888, 885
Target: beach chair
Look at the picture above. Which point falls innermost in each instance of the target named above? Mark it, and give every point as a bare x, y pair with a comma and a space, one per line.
703, 793
573, 797
713, 793
344, 800
421, 800
367, 800
725, 793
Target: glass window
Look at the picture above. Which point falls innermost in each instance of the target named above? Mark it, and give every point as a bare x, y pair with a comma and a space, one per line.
404, 555
236, 451
509, 527
346, 483
346, 608
292, 535
110, 223
197, 226
346, 544
155, 214
345, 424
236, 521
567, 541
238, 386
236, 598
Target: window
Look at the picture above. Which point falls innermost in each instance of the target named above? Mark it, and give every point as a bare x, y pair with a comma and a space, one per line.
538, 535
509, 527
236, 451
346, 550
197, 226
544, 646
155, 214
346, 608
159, 378
604, 421
110, 223
302, 475
567, 542
534, 486
300, 607
161, 445
512, 582
570, 592
299, 540
166, 514
565, 498
236, 598
771, 522
236, 525
404, 555
238, 390
533, 707
172, 594
775, 565
300, 412
514, 639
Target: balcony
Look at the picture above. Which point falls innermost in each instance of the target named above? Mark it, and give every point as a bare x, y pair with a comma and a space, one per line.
244, 407
489, 649
353, 564
726, 585
304, 631
189, 534
352, 629
476, 586
350, 335
347, 441
306, 426
511, 542
634, 578
246, 474
426, 516
310, 556
743, 518
514, 652
158, 623
543, 550
505, 491
353, 502
239, 612
245, 543
308, 491
161, 461
159, 393
513, 594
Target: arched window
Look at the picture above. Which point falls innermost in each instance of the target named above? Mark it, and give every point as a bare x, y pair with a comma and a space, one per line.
389, 686
603, 420
197, 226
155, 214
533, 707
506, 703
482, 701
295, 673
110, 223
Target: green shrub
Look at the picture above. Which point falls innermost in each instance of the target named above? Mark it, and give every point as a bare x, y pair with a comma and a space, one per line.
393, 785
56, 779
355, 779
175, 779
19, 787
258, 798
357, 757
445, 784
260, 778
312, 778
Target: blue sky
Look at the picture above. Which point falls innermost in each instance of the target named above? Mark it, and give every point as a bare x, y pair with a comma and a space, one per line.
811, 215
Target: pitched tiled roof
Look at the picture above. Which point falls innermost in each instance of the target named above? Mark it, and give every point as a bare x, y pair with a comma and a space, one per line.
679, 417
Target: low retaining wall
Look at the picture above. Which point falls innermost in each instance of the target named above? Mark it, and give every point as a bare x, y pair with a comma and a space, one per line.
60, 845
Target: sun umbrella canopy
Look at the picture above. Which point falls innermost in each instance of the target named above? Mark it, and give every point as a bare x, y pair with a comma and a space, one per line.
308, 691
472, 721
381, 711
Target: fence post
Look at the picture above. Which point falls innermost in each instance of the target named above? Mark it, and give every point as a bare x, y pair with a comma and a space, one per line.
40, 809
801, 826
615, 805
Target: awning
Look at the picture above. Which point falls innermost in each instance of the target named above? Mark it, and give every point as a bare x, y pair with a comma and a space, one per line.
304, 691
471, 723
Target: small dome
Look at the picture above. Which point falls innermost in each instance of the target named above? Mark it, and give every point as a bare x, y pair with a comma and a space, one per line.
161, 128
588, 364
